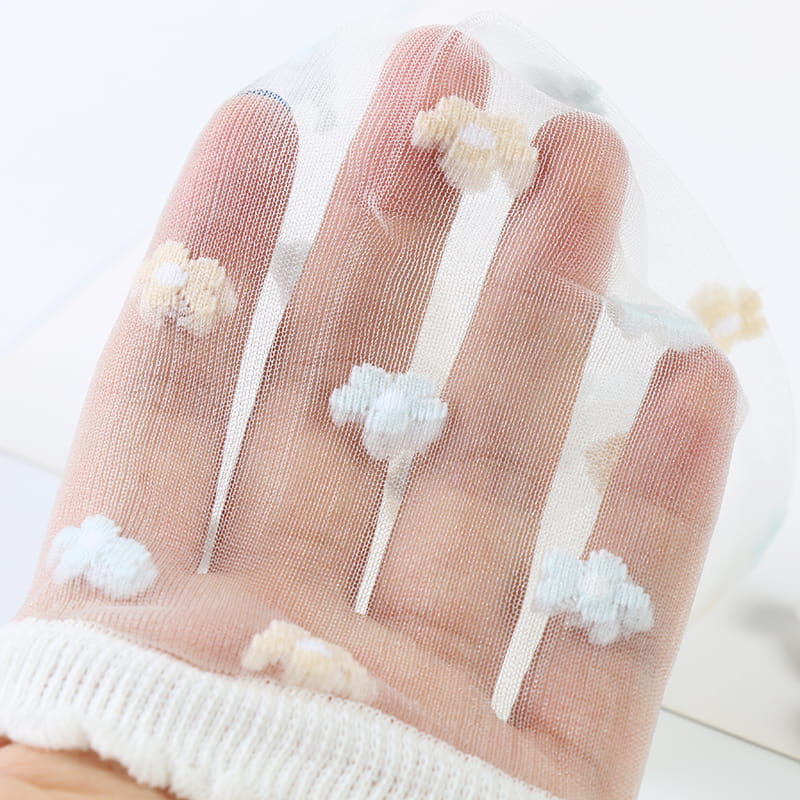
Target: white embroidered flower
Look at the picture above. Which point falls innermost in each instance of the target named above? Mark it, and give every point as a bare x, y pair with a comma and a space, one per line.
668, 328
596, 594
475, 143
308, 662
195, 292
121, 568
401, 413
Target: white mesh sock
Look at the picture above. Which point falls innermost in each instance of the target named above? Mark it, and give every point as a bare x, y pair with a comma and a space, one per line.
396, 476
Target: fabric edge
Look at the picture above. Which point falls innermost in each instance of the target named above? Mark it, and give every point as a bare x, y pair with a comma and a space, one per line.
70, 685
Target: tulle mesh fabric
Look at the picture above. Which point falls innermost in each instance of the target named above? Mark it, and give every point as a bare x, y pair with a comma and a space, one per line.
401, 410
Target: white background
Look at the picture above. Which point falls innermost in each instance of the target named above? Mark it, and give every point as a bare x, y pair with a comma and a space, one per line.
100, 103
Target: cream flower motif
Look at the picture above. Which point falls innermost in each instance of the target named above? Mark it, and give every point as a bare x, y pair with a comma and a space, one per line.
474, 143
729, 315
95, 551
195, 292
596, 594
305, 661
401, 413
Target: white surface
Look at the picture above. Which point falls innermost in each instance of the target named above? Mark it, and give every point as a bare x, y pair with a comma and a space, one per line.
26, 494
692, 762
37, 423
739, 666
102, 102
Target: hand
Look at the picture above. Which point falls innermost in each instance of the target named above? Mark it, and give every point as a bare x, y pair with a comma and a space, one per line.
298, 521
30, 774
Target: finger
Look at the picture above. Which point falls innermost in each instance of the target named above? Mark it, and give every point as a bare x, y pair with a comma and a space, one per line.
161, 389
567, 225
362, 295
360, 298
657, 514
473, 505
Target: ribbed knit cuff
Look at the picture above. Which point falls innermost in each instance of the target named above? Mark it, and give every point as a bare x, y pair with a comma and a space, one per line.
69, 685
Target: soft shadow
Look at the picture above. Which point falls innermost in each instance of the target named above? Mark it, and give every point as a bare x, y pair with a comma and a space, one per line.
779, 622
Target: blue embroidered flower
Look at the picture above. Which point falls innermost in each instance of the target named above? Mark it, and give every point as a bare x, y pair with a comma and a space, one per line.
596, 594
95, 551
668, 328
401, 413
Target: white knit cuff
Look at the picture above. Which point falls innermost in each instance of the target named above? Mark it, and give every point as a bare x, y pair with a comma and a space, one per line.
70, 685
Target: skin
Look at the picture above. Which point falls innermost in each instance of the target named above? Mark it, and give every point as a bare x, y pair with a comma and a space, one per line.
27, 773
657, 511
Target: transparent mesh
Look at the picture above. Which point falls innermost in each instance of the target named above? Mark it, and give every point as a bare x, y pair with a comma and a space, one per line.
412, 405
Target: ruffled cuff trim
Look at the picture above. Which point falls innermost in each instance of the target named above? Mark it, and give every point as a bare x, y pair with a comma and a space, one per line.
69, 685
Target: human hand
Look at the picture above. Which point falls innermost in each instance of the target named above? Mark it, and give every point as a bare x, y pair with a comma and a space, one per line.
300, 516
30, 774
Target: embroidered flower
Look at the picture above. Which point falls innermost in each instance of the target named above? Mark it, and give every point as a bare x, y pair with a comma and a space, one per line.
730, 315
400, 412
668, 328
305, 661
474, 143
195, 292
121, 568
595, 594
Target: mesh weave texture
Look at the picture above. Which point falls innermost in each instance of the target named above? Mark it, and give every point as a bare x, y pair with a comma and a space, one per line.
413, 425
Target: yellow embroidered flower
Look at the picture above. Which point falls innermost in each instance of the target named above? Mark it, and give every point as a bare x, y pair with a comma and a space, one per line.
729, 315
195, 292
302, 660
474, 143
